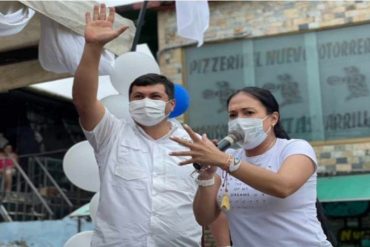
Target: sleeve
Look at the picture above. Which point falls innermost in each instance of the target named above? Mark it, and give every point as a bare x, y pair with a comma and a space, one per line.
103, 132
297, 146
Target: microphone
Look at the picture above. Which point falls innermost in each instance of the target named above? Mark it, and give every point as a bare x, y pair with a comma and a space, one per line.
229, 140
224, 144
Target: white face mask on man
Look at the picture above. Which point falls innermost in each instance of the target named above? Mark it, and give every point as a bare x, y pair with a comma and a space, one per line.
251, 128
148, 112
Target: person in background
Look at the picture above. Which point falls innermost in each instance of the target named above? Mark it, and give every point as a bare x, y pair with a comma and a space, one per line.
145, 197
267, 188
7, 167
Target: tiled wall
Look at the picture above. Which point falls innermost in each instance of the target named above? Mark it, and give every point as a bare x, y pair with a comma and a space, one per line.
343, 158
265, 18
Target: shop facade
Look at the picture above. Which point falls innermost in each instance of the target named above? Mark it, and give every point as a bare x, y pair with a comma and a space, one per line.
314, 57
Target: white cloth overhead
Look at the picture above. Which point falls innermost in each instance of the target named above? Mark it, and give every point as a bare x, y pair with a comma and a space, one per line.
71, 14
13, 18
192, 19
60, 49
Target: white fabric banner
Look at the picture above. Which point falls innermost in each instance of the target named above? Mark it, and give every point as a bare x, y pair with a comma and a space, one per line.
13, 18
60, 49
71, 14
192, 19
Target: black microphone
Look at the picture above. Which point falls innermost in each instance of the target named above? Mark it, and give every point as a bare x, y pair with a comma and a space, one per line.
224, 144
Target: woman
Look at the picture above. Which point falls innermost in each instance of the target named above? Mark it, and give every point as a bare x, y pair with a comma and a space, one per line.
7, 158
267, 188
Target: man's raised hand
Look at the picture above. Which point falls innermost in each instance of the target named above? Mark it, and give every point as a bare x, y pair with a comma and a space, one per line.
99, 29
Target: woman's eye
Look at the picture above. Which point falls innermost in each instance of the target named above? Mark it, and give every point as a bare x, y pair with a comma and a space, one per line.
248, 113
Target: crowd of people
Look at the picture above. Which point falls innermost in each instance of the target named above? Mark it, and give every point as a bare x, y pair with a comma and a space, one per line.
261, 194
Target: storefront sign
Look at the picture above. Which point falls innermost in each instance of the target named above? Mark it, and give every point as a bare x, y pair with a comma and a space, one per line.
321, 81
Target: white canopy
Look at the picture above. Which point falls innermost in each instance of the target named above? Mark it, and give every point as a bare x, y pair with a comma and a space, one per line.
69, 14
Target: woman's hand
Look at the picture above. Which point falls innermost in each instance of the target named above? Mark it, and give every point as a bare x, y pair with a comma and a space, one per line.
202, 151
99, 29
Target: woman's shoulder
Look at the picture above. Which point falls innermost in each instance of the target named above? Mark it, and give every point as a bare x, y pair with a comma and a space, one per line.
296, 146
293, 142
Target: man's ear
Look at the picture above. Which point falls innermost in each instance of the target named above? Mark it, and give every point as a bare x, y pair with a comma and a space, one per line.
170, 106
173, 104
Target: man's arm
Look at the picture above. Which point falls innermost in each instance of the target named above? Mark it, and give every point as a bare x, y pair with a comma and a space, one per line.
98, 32
220, 231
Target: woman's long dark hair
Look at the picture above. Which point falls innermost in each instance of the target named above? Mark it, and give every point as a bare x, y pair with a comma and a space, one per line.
269, 102
324, 224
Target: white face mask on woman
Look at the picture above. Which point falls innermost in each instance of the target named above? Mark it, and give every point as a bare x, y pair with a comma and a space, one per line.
251, 128
147, 112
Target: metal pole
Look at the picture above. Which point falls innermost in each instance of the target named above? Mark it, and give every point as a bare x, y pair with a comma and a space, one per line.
56, 185
33, 188
139, 25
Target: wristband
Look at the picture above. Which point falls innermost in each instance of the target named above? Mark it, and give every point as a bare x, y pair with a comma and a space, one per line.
206, 183
234, 164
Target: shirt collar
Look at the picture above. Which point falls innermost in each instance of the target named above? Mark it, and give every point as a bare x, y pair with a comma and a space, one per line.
174, 126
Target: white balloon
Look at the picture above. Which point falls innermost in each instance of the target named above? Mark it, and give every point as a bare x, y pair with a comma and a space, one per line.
81, 168
117, 105
128, 67
81, 239
93, 206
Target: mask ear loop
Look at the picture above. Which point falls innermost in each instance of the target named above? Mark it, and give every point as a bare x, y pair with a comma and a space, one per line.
271, 127
169, 113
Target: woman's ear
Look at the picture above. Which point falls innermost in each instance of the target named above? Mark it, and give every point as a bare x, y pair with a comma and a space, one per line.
275, 118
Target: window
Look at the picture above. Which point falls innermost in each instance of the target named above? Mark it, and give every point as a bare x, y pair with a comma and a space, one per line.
320, 79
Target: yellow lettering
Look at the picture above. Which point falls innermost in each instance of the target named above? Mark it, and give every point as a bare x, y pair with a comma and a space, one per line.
358, 235
345, 235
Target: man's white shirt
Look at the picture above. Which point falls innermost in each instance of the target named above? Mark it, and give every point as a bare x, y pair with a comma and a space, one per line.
145, 196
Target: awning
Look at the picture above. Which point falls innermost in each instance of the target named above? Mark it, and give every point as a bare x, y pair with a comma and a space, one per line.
344, 188
69, 14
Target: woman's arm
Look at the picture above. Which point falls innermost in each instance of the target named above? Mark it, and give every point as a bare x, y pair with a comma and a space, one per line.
293, 173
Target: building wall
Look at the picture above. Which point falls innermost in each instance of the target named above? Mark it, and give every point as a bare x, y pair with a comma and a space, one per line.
269, 18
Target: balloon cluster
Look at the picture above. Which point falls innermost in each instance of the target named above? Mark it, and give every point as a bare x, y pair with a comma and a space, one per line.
79, 162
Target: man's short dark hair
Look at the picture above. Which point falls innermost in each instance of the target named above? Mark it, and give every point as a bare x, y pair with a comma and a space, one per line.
153, 79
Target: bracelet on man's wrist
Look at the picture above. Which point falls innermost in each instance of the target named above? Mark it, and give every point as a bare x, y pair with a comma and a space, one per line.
206, 182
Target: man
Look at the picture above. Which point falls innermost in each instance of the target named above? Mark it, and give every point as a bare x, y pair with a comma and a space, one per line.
145, 197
